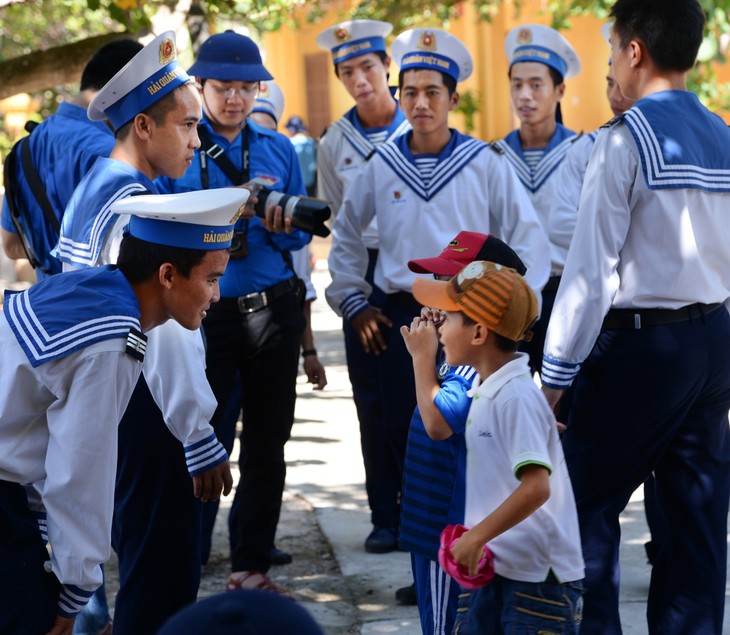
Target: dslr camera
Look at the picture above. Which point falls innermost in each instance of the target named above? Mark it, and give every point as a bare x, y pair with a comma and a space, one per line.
306, 213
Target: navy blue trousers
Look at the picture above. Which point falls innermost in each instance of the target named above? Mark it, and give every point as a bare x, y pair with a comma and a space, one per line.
385, 408
655, 399
156, 529
28, 594
262, 349
363, 370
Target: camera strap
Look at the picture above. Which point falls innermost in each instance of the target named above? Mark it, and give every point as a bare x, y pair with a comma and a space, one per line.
212, 151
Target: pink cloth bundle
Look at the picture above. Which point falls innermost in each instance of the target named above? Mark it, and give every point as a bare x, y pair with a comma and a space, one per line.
485, 570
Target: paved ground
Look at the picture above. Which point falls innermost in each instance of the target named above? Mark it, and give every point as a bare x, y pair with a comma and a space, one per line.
325, 518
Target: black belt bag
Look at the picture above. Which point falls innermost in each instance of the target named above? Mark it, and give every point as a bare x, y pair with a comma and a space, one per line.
252, 302
636, 318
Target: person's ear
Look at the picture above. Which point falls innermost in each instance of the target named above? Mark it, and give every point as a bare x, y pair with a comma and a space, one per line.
636, 53
141, 125
560, 90
166, 274
453, 101
480, 335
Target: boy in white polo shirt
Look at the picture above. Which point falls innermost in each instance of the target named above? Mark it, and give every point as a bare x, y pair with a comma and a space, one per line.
519, 500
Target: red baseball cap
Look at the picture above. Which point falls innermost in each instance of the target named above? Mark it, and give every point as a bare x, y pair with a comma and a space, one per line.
467, 247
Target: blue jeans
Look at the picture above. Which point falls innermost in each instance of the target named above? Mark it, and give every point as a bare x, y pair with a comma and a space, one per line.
509, 607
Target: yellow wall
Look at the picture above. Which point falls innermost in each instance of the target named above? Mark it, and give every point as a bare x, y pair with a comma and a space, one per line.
584, 105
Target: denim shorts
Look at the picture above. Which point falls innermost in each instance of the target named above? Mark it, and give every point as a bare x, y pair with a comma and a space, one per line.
509, 607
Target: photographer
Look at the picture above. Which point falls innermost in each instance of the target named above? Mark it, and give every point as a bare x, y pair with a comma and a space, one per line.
254, 331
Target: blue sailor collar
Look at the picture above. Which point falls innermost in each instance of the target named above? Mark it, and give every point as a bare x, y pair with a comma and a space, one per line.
459, 151
691, 155
554, 153
73, 310
85, 225
352, 129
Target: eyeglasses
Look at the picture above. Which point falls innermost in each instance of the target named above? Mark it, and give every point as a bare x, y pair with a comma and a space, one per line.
247, 92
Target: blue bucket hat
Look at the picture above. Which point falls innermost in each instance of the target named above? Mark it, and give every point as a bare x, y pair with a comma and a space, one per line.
242, 613
230, 56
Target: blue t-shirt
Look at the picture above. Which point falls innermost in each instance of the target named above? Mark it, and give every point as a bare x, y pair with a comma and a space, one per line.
63, 148
434, 472
270, 155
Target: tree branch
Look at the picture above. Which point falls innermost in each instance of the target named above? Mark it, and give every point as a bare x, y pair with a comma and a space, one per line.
53, 67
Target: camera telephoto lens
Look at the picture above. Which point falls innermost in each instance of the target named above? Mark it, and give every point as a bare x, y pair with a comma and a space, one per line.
307, 214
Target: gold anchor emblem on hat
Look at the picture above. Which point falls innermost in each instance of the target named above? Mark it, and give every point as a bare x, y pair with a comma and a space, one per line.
167, 51
427, 41
524, 36
238, 213
342, 34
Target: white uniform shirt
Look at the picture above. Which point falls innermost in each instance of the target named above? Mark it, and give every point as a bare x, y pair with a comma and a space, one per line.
473, 189
174, 370
537, 179
509, 426
341, 153
633, 248
59, 432
562, 192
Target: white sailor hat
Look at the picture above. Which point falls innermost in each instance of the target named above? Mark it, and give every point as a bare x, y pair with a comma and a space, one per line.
354, 38
270, 100
144, 80
432, 49
538, 43
202, 219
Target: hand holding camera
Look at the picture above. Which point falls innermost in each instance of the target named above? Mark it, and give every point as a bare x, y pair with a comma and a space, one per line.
282, 212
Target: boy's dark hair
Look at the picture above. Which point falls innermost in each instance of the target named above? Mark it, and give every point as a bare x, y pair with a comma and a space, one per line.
501, 342
555, 75
107, 62
381, 54
449, 81
139, 260
672, 30
157, 112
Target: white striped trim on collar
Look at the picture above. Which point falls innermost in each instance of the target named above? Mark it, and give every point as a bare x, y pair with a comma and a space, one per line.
360, 143
533, 181
43, 347
86, 253
442, 174
659, 174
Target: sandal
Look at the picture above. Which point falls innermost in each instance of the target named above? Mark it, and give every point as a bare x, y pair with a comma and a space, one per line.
257, 581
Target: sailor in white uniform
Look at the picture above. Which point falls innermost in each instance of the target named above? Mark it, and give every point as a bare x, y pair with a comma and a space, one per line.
540, 60
422, 188
563, 191
362, 64
640, 313
72, 349
154, 109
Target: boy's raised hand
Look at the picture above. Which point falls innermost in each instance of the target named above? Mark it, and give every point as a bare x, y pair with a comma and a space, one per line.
421, 339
